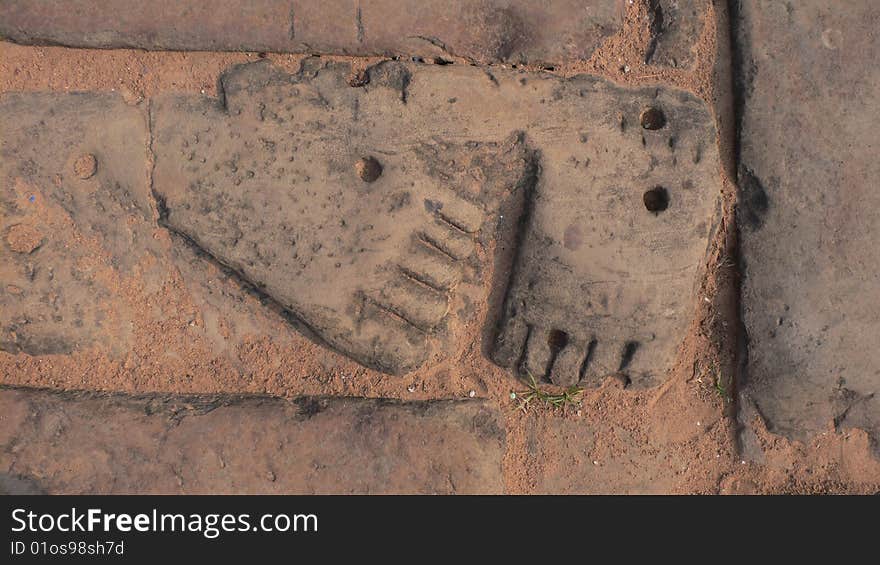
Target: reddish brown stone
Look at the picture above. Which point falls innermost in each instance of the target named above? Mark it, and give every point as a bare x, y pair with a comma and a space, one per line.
482, 30
23, 238
69, 443
265, 183
676, 27
808, 82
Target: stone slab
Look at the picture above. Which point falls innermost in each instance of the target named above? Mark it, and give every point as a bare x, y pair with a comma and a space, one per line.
84, 443
611, 193
676, 28
84, 266
809, 83
484, 31
73, 170
370, 214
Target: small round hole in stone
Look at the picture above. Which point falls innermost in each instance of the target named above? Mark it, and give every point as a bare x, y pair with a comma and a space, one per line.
368, 169
652, 118
656, 200
557, 340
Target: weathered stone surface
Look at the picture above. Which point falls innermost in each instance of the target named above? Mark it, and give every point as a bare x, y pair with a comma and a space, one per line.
14, 484
73, 169
273, 184
270, 181
75, 443
368, 212
614, 241
482, 30
676, 27
810, 86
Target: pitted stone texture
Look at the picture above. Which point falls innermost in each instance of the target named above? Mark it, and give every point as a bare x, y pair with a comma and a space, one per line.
270, 184
484, 31
676, 27
810, 80
83, 261
79, 443
615, 241
56, 291
266, 180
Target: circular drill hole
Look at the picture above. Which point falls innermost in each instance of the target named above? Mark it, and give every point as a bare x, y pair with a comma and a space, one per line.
653, 118
368, 168
656, 200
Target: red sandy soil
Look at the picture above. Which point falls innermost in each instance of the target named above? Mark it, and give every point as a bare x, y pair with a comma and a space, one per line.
677, 438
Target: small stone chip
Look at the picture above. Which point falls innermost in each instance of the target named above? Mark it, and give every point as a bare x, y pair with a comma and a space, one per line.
23, 238
85, 166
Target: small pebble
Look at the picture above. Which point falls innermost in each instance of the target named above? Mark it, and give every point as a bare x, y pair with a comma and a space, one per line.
85, 166
472, 393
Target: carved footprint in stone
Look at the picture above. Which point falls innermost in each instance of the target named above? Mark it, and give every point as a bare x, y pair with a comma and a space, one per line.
307, 188
616, 236
75, 211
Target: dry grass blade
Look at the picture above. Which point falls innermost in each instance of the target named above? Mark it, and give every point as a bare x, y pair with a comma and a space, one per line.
721, 387
570, 396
